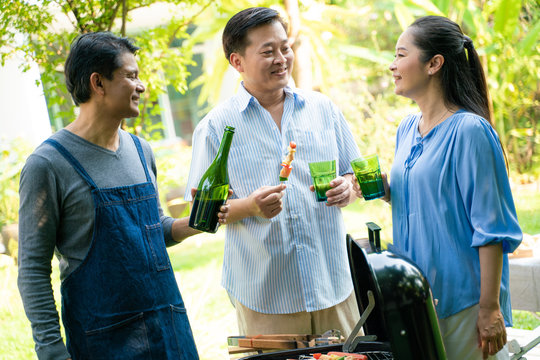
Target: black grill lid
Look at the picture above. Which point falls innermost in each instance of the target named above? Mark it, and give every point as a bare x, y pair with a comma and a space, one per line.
404, 313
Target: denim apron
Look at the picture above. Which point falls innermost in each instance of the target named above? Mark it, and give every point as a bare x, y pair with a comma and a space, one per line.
123, 301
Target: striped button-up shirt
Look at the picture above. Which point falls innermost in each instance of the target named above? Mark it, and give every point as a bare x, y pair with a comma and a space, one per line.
296, 261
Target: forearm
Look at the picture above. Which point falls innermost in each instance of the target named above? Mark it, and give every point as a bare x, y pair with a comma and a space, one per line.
491, 260
37, 296
181, 230
240, 209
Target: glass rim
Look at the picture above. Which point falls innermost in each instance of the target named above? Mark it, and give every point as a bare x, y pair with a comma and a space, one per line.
327, 165
365, 158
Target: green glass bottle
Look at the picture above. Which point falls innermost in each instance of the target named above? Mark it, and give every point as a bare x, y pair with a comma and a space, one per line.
213, 189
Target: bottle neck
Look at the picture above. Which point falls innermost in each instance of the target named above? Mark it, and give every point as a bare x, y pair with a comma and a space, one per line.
224, 147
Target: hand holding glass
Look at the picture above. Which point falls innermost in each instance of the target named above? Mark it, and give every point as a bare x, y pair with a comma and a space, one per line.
368, 173
322, 173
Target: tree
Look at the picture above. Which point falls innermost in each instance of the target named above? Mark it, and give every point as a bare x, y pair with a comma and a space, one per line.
316, 37
349, 45
507, 34
42, 31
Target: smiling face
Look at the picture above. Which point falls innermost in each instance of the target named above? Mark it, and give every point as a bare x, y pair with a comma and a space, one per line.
266, 63
411, 75
123, 91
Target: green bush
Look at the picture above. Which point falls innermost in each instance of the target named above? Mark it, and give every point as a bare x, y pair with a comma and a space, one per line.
173, 159
13, 154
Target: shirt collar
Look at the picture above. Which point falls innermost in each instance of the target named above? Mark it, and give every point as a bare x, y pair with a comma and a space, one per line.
244, 98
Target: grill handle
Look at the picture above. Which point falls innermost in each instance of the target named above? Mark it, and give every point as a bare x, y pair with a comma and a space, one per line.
374, 236
353, 340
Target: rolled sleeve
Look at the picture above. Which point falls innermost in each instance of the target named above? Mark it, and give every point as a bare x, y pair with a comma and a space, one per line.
485, 188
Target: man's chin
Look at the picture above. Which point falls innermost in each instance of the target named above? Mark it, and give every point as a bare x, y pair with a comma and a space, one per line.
281, 83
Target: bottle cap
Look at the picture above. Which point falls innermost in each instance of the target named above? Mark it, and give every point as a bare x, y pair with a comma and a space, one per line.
229, 128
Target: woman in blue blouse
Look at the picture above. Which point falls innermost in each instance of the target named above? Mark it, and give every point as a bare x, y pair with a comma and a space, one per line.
452, 208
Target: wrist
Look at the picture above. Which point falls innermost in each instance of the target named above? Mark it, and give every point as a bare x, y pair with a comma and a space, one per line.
251, 207
489, 305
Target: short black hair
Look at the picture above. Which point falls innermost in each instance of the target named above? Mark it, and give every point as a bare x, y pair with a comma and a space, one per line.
235, 34
98, 52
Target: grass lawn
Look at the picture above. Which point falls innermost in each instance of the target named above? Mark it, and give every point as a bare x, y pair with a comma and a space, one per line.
527, 200
197, 263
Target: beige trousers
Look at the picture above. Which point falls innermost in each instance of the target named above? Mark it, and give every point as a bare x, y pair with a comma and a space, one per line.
342, 316
460, 339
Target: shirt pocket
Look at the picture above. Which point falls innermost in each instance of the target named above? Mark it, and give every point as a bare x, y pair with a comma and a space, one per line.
318, 145
252, 166
127, 338
156, 243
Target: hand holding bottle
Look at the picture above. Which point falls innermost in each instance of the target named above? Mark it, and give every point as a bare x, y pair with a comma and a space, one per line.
223, 212
266, 201
213, 189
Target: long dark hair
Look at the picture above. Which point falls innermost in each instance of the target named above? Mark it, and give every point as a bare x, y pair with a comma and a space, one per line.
462, 77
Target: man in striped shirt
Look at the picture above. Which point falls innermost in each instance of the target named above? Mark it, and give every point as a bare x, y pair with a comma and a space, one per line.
285, 263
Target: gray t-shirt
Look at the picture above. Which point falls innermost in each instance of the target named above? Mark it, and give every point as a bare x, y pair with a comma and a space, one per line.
56, 216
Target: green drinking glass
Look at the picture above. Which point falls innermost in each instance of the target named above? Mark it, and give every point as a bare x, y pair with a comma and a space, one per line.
322, 173
368, 173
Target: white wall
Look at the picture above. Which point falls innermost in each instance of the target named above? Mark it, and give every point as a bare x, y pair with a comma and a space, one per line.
23, 110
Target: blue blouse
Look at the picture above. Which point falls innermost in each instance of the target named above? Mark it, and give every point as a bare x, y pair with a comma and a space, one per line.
451, 195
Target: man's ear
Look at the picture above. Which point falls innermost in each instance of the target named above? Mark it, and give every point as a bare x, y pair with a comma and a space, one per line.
236, 60
96, 83
435, 64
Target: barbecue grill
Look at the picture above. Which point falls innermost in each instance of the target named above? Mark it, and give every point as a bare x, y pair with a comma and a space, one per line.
396, 306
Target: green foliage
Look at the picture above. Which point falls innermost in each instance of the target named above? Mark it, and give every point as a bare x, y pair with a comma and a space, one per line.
12, 156
320, 28
525, 320
16, 341
527, 201
506, 34
344, 51
173, 161
43, 31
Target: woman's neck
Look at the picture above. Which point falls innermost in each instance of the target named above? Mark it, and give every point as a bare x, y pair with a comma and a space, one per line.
434, 111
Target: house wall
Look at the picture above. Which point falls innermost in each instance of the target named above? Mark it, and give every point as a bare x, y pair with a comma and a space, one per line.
23, 109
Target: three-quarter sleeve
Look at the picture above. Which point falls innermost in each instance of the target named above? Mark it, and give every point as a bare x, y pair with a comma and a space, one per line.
485, 188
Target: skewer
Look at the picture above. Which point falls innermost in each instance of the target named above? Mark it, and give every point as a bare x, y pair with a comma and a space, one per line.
286, 163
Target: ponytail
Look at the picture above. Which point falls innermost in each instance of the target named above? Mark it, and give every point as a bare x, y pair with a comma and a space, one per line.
479, 79
463, 80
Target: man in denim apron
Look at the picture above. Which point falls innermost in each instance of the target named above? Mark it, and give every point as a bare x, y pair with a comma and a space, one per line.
89, 194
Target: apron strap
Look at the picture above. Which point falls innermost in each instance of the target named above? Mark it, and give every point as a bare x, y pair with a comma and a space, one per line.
141, 156
76, 165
